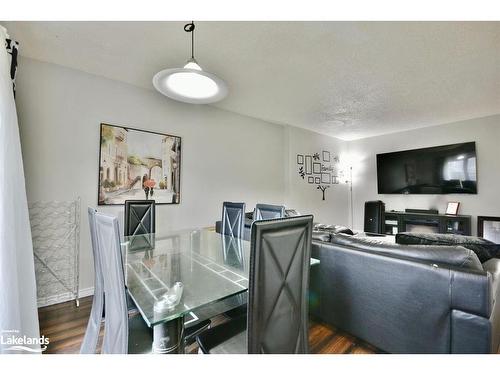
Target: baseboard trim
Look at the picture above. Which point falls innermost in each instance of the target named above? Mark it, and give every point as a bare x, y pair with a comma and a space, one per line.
63, 297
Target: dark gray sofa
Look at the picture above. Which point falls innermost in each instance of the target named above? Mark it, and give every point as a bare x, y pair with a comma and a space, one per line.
407, 298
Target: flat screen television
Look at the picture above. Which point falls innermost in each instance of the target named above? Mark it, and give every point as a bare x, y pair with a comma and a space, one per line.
449, 169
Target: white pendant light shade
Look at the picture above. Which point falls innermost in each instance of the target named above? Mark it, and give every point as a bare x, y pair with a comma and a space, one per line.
190, 84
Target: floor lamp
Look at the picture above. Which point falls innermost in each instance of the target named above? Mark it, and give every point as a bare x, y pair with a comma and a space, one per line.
350, 198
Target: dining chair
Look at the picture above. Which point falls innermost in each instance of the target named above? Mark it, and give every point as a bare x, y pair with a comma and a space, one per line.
233, 224
268, 211
277, 320
139, 223
233, 219
123, 332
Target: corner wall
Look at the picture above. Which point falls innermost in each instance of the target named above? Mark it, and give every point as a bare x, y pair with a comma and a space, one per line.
304, 196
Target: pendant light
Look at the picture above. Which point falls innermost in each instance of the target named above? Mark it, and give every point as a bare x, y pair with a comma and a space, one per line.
190, 84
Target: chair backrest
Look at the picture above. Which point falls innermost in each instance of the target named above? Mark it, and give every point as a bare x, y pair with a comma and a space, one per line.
232, 250
268, 211
89, 343
233, 219
278, 287
139, 224
139, 217
107, 241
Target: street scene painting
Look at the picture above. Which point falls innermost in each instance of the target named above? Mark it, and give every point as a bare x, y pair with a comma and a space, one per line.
137, 164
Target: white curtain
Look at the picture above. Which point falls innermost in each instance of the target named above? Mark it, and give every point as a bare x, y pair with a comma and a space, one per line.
18, 309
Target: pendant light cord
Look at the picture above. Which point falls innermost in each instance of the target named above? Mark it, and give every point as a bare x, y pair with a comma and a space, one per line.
189, 28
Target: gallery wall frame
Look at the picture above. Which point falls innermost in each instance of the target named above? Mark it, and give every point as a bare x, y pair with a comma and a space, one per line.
171, 183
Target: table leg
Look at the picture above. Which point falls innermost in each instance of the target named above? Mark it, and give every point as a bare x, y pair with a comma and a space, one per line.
168, 337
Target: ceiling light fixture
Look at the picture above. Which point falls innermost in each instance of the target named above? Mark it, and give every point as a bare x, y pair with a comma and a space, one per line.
190, 84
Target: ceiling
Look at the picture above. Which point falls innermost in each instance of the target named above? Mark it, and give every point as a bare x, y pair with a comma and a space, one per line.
345, 79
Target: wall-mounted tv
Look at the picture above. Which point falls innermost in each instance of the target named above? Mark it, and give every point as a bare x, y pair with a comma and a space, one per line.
449, 169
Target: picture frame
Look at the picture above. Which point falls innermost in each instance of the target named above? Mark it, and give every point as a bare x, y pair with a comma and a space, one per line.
138, 164
326, 178
488, 227
326, 156
300, 159
308, 164
452, 208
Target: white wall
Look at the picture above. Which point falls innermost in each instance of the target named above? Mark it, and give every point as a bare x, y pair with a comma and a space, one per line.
305, 197
225, 156
484, 131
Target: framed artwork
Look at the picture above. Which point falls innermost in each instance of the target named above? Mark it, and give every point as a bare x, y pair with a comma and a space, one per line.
310, 180
300, 159
316, 168
452, 208
326, 156
317, 180
138, 164
308, 164
325, 178
488, 227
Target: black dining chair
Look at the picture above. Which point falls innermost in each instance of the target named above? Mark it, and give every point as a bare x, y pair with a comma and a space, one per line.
277, 320
233, 223
268, 211
139, 223
233, 219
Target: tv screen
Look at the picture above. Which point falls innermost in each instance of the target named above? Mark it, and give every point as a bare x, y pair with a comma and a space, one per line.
449, 169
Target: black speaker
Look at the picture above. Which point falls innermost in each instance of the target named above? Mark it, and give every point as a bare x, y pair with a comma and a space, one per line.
374, 216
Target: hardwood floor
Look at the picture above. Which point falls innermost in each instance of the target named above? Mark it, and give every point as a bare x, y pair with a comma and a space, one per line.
64, 324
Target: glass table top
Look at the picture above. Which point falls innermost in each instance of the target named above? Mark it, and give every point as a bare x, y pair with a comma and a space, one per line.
210, 266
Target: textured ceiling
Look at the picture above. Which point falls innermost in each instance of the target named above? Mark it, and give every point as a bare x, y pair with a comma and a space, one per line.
346, 79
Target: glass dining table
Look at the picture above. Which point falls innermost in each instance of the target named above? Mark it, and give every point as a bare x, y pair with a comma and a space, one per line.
182, 277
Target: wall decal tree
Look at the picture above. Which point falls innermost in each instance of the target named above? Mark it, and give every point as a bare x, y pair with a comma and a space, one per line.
320, 168
323, 189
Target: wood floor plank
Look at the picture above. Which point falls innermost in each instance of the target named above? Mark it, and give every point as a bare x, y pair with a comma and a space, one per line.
65, 324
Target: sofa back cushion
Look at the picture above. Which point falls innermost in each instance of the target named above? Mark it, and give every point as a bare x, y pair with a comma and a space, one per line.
333, 229
455, 256
318, 235
484, 249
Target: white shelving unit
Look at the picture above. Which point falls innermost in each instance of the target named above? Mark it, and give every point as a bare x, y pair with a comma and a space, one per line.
55, 229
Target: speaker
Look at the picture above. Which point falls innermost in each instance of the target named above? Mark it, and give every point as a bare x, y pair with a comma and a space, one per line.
374, 217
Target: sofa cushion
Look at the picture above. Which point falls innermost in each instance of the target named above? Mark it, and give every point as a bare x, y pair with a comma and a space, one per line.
455, 256
333, 229
321, 236
484, 249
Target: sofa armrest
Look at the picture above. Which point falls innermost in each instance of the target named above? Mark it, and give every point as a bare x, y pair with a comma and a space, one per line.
493, 268
470, 334
471, 292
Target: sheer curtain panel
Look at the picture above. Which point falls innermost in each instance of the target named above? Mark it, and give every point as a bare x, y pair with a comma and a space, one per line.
19, 328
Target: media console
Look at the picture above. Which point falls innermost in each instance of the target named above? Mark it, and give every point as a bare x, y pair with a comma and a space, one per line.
396, 221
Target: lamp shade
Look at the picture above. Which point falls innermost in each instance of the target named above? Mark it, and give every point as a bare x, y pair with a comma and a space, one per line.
190, 84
